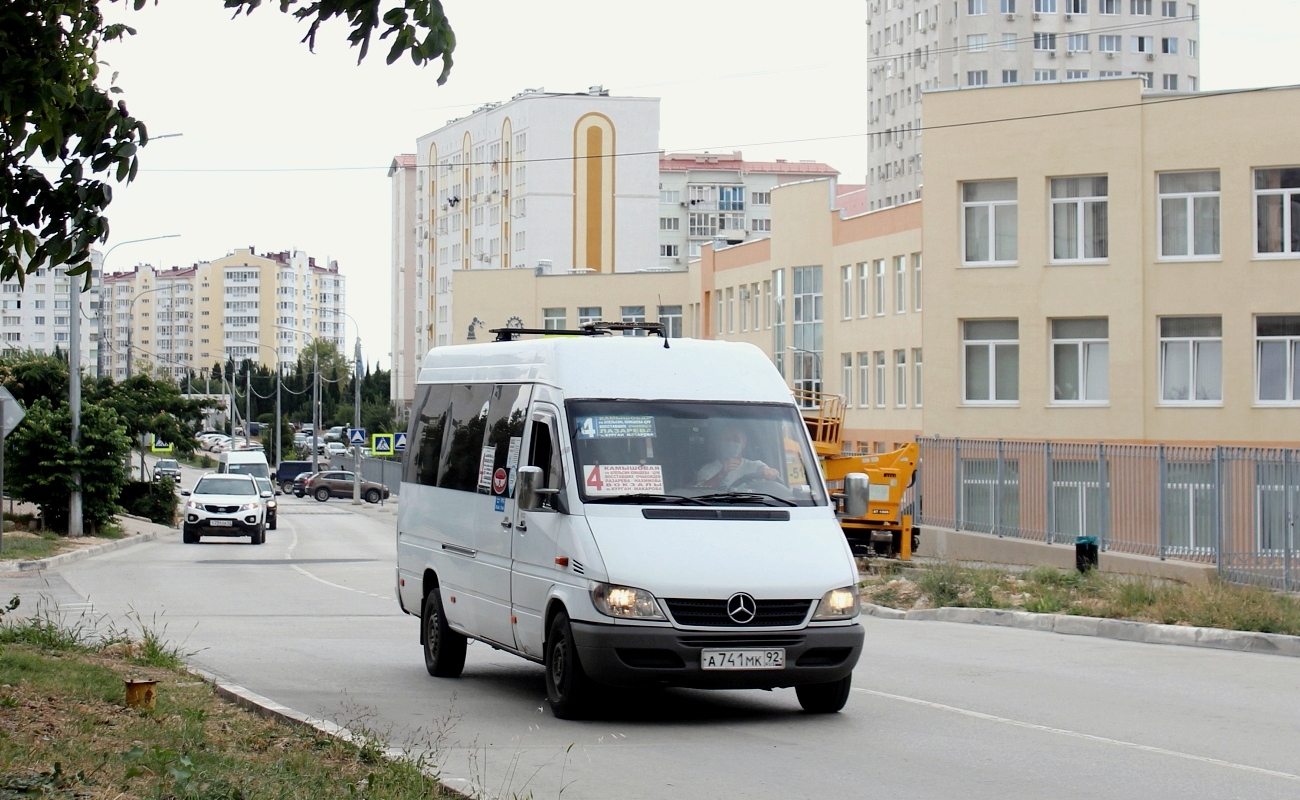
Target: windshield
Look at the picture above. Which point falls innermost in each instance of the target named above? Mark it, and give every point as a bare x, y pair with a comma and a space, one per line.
166, 464
632, 451
257, 469
235, 486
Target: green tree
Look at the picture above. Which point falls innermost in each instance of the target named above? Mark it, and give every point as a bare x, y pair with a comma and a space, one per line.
40, 460
30, 376
56, 112
150, 406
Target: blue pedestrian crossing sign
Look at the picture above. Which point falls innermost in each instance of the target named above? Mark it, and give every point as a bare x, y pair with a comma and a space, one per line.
357, 436
399, 442
381, 444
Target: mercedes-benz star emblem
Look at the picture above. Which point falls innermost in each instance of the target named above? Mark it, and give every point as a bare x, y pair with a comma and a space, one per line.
741, 608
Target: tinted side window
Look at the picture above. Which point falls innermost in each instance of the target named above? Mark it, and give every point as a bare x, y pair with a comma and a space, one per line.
467, 423
505, 432
427, 433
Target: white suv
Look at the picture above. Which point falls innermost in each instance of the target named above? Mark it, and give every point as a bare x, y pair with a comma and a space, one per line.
225, 505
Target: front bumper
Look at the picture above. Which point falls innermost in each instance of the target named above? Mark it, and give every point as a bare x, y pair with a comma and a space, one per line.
240, 526
626, 655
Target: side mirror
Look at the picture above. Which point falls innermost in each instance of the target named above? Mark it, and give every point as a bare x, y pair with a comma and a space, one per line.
185, 494
528, 482
857, 492
267, 494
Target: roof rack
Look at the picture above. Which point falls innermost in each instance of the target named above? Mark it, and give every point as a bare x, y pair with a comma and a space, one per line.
590, 329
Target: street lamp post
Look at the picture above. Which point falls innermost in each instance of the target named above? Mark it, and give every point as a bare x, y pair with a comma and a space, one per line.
278, 375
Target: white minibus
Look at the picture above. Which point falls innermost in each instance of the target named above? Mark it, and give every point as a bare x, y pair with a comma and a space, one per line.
627, 511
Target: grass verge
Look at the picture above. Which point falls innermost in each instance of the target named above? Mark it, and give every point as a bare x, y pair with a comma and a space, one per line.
1048, 590
65, 730
25, 546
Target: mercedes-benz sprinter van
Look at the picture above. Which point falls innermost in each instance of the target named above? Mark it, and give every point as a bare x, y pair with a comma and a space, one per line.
627, 511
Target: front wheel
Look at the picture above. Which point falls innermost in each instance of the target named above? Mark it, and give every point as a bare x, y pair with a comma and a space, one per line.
372, 496
824, 698
567, 685
287, 487
188, 536
273, 523
444, 648
322, 494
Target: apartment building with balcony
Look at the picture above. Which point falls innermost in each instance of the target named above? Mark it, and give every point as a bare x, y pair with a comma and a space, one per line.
35, 314
918, 46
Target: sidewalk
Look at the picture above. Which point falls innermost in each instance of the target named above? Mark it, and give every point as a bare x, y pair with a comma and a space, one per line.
135, 531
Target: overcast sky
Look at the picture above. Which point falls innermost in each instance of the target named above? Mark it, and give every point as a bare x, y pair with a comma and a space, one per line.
285, 149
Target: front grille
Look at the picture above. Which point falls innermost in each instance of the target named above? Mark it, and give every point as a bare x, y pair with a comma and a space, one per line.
221, 509
713, 613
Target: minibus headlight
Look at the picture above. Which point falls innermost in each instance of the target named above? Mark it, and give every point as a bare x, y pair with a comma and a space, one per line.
839, 603
624, 602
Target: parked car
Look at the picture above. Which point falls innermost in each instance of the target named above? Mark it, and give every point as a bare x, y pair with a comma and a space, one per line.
286, 471
169, 468
338, 483
272, 508
337, 450
224, 505
336, 433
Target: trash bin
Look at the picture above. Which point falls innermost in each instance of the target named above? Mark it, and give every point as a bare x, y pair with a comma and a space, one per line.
1085, 553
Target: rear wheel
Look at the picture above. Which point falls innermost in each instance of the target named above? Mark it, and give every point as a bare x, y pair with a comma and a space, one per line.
322, 494
444, 648
372, 496
567, 685
287, 487
824, 698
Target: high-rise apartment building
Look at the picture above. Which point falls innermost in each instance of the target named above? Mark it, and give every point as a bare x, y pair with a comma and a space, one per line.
266, 308
917, 46
36, 314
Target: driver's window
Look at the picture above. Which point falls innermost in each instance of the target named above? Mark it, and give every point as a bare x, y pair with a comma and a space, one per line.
543, 453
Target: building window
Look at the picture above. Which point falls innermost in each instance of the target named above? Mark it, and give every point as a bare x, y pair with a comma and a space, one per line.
879, 287
1191, 83
778, 320
1148, 78
1010, 76
916, 280
900, 378
846, 292
731, 310
974, 7
979, 77
1141, 8
519, 241
702, 225
553, 319
1191, 360
1192, 48
1168, 8
1076, 6
669, 250
1007, 6
880, 378
864, 271
864, 380
1110, 44
1044, 41
1080, 360
760, 225
1277, 211
917, 372
1189, 214
1108, 6
1077, 43
989, 222
670, 224
992, 360
977, 42
632, 314
760, 198
900, 284
808, 328
671, 318
1144, 44
1044, 6
1079, 218
1010, 42
1169, 45
588, 315
846, 377
1044, 75
1171, 83
670, 196
1076, 74
744, 308
1277, 369
767, 304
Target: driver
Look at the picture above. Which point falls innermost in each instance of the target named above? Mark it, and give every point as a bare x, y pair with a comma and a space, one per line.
731, 467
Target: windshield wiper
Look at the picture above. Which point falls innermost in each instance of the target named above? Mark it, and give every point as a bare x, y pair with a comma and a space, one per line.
744, 497
645, 498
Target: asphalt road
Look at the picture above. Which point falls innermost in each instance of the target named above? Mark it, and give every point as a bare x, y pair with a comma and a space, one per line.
939, 710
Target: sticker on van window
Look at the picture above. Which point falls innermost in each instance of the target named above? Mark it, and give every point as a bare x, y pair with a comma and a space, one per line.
612, 427
485, 465
512, 455
610, 479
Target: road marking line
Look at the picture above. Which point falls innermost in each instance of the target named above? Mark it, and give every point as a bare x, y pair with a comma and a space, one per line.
1146, 748
288, 554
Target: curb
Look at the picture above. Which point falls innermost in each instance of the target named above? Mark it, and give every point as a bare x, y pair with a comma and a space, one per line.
16, 567
1122, 630
270, 709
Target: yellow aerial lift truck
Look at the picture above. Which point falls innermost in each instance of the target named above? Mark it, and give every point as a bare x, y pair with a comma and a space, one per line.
885, 530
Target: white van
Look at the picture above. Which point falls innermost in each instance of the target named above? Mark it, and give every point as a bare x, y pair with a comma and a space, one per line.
626, 511
244, 462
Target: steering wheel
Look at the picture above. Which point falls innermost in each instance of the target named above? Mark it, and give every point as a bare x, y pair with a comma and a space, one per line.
753, 477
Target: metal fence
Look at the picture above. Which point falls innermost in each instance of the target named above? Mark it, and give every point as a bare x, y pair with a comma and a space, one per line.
1235, 507
389, 473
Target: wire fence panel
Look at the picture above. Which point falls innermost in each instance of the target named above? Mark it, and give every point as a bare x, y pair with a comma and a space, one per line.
389, 473
1235, 507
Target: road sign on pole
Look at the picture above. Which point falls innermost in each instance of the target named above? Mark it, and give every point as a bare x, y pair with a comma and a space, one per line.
13, 412
157, 445
357, 436
399, 441
381, 444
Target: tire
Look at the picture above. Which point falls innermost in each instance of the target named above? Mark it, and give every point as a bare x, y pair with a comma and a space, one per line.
287, 487
322, 494
444, 648
259, 535
824, 698
188, 536
568, 688
372, 496
274, 521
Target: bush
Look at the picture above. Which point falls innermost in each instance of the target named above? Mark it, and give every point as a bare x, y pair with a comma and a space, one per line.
154, 500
